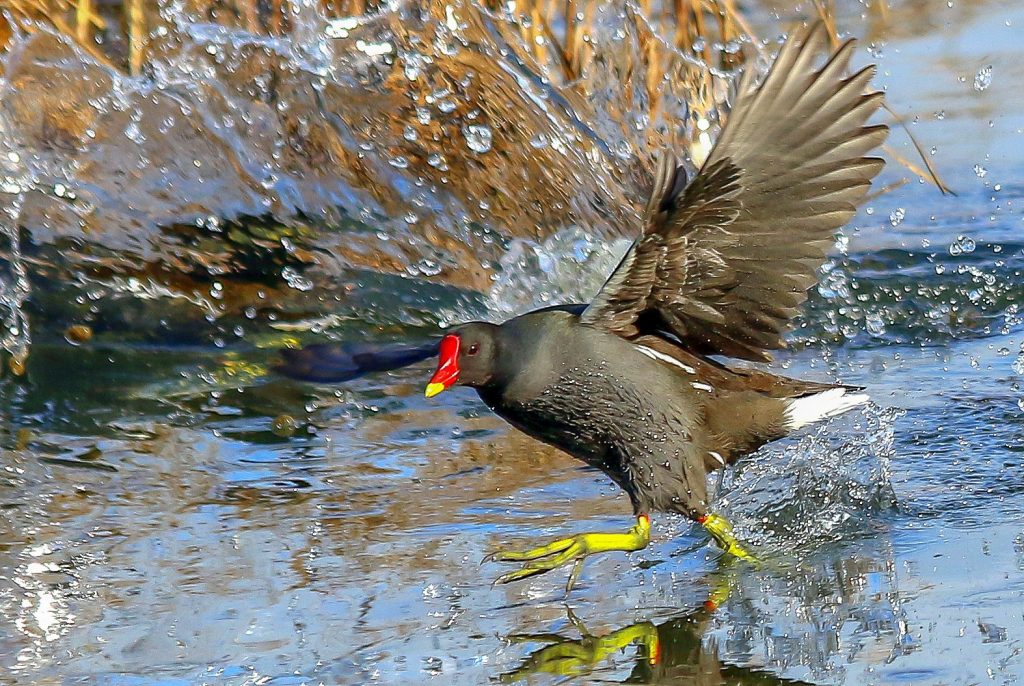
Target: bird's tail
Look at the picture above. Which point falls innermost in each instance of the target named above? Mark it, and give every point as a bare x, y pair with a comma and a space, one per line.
822, 405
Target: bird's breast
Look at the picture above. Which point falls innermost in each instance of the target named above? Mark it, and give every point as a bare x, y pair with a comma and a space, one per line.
600, 414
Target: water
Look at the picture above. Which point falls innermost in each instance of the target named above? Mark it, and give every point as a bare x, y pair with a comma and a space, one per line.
171, 514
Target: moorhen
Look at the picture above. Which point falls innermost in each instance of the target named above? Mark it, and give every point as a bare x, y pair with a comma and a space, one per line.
627, 383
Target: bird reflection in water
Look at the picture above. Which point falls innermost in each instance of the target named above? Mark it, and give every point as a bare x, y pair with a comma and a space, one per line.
671, 652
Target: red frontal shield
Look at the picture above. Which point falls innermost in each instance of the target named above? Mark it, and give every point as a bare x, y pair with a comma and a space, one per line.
447, 366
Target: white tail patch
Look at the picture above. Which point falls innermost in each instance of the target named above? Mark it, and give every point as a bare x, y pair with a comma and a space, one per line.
814, 408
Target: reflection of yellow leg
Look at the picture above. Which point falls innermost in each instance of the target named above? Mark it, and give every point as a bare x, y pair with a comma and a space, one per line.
574, 657
721, 530
573, 549
721, 588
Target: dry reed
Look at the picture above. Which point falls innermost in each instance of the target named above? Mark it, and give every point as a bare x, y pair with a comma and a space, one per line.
554, 31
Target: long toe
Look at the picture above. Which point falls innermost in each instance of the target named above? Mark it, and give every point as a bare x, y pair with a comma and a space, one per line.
532, 554
551, 561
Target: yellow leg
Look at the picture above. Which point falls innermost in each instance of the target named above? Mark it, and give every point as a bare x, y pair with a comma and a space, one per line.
573, 549
721, 530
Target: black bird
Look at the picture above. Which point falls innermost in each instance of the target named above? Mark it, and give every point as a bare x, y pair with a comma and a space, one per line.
720, 268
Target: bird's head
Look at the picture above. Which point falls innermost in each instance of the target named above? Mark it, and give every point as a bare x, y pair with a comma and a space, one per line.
467, 356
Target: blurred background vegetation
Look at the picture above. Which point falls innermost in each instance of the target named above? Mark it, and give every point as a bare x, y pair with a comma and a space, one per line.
117, 31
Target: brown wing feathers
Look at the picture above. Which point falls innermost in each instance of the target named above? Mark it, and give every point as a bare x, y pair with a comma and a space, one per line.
725, 263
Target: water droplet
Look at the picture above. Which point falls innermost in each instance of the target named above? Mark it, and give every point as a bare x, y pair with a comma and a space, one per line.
842, 244
437, 161
1018, 364
413, 66
896, 216
77, 334
962, 245
428, 267
874, 323
478, 138
284, 425
983, 79
134, 134
296, 280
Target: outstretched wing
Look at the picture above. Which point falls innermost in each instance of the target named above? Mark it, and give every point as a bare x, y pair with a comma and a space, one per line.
725, 261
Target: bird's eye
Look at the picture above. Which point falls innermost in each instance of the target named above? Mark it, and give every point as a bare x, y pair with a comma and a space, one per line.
473, 349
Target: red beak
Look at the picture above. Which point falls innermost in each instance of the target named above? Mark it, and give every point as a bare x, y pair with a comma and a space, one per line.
447, 366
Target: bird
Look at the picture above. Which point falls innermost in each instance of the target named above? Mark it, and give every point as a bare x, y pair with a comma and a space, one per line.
641, 383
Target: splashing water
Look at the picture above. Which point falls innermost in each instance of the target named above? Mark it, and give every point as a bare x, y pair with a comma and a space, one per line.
400, 142
821, 488
569, 267
14, 284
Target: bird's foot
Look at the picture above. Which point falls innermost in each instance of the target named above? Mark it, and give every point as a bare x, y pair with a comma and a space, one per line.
721, 530
574, 549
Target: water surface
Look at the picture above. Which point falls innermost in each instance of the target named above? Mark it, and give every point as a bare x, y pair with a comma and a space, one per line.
169, 514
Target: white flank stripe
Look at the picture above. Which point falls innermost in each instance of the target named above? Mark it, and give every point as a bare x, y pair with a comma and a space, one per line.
655, 355
702, 387
814, 408
717, 456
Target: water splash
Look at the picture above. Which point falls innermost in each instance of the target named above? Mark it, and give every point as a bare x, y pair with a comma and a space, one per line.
569, 267
428, 143
401, 142
916, 297
14, 284
819, 488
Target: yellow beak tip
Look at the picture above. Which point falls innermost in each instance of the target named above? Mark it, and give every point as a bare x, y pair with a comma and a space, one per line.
433, 389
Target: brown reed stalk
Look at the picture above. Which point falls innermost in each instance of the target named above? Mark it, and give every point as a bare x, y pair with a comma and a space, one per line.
83, 31
136, 35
